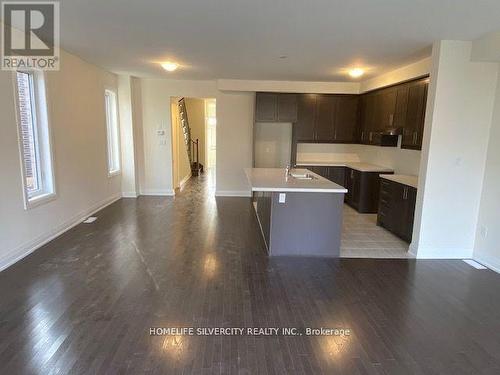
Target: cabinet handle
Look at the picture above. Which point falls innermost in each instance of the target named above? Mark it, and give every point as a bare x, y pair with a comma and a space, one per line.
362, 135
371, 136
352, 173
415, 134
391, 119
405, 193
335, 134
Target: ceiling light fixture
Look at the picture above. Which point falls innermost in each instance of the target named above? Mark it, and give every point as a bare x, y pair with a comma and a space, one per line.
356, 72
169, 66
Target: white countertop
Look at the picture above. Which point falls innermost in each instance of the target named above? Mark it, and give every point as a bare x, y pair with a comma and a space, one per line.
362, 167
402, 179
274, 179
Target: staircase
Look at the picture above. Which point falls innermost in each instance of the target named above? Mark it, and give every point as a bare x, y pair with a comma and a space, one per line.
191, 146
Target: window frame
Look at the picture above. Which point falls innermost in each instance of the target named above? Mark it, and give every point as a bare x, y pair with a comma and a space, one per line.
42, 134
108, 91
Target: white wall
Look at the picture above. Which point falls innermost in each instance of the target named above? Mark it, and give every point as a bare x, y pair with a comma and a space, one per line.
487, 245
235, 118
130, 179
77, 119
234, 134
458, 119
401, 160
405, 73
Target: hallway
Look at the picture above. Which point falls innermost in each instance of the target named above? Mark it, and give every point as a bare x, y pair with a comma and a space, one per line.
84, 303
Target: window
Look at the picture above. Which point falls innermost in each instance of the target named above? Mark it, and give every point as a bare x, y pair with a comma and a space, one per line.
34, 138
113, 133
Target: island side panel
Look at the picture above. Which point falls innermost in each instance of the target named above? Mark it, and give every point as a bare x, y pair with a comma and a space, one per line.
307, 224
262, 203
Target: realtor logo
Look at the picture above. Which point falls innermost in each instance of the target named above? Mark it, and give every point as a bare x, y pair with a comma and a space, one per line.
30, 35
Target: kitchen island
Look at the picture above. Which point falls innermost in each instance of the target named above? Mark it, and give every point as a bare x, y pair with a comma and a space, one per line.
299, 213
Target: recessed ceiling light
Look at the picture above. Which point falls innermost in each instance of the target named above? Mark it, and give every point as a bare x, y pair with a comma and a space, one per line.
169, 66
356, 72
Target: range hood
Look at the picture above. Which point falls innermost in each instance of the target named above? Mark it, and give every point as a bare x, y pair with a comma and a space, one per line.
387, 138
392, 131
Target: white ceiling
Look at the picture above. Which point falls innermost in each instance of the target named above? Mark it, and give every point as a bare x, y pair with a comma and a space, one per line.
244, 39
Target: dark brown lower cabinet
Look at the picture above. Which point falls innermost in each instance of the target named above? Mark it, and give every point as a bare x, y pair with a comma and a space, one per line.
362, 187
397, 208
334, 174
363, 190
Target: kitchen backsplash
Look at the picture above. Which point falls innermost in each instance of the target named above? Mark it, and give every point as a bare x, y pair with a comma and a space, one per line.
401, 160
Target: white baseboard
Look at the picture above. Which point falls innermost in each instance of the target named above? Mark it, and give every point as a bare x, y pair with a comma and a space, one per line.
27, 248
233, 193
492, 264
162, 192
185, 179
440, 253
129, 194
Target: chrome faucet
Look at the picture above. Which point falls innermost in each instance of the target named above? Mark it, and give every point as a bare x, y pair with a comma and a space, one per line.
287, 170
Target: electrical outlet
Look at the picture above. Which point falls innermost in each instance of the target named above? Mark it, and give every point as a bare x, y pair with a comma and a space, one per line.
483, 230
282, 198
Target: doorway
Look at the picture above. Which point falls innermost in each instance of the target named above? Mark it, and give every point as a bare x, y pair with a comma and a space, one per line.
194, 128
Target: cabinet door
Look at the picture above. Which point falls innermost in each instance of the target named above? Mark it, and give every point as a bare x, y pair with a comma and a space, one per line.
287, 107
346, 119
323, 124
401, 106
386, 211
410, 199
367, 113
322, 171
386, 108
415, 115
337, 175
356, 187
306, 108
266, 105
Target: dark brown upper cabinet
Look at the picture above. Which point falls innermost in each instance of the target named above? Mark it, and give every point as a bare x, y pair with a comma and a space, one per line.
266, 105
327, 118
346, 119
367, 118
324, 120
306, 109
274, 107
401, 106
287, 107
415, 115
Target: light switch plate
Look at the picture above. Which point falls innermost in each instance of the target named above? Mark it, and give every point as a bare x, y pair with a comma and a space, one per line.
282, 198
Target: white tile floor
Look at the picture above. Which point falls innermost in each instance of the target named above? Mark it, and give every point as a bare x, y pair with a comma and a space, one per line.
362, 238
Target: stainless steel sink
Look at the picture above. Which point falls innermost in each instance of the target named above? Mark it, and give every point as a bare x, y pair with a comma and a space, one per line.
301, 174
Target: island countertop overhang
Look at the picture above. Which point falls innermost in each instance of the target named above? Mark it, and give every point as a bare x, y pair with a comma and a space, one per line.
275, 180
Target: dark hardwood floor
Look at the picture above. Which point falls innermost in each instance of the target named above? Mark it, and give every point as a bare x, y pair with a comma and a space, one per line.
84, 303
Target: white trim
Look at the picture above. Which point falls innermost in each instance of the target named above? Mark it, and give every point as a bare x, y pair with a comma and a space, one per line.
29, 247
113, 92
491, 264
161, 192
47, 165
233, 193
40, 200
185, 179
129, 194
